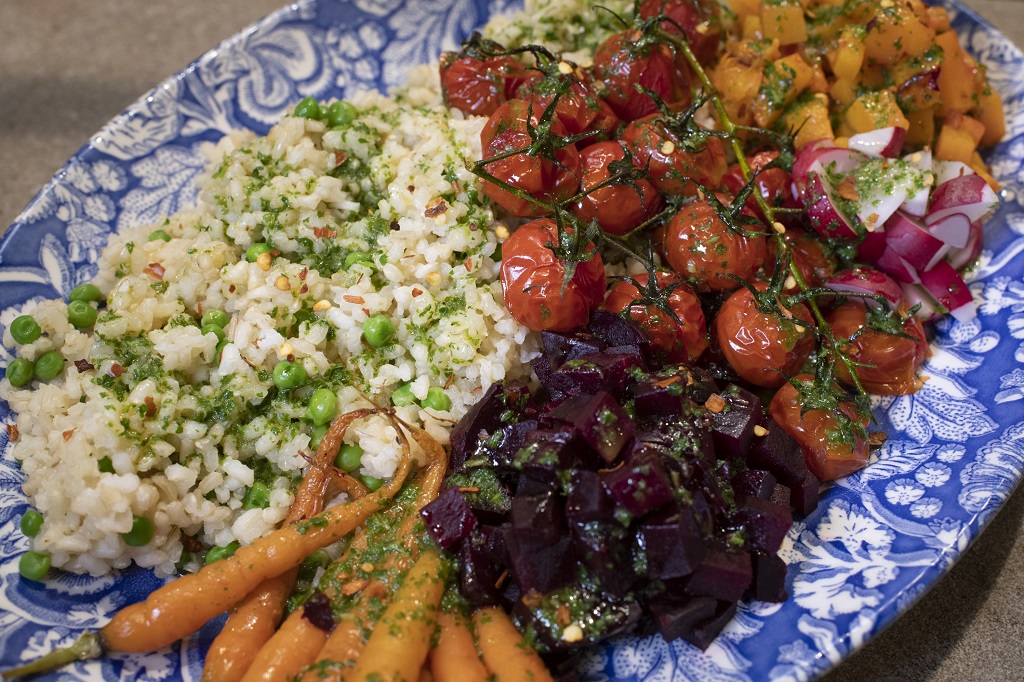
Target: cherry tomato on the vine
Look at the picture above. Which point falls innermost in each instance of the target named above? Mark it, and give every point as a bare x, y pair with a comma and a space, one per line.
699, 246
532, 278
830, 451
763, 348
774, 184
672, 168
479, 86
810, 255
578, 108
896, 360
618, 207
677, 343
629, 58
541, 178
699, 19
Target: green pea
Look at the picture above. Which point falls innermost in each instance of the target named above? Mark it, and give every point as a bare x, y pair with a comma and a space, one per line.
34, 565
25, 329
341, 113
105, 465
213, 329
323, 404
220, 348
20, 371
49, 365
349, 458
371, 482
218, 553
289, 374
403, 396
360, 257
378, 330
81, 314
308, 107
317, 436
256, 250
257, 496
31, 522
88, 292
159, 234
215, 317
436, 399
141, 533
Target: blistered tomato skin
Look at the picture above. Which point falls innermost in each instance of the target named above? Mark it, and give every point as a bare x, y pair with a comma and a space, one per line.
579, 109
625, 60
699, 20
809, 254
531, 280
763, 348
896, 361
699, 246
541, 178
478, 86
774, 184
677, 343
828, 453
619, 208
673, 170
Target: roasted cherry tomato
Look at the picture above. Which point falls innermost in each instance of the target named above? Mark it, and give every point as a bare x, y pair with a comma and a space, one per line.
830, 453
541, 178
763, 348
578, 109
774, 184
673, 168
479, 86
674, 341
699, 19
699, 246
629, 58
896, 360
809, 253
532, 278
618, 207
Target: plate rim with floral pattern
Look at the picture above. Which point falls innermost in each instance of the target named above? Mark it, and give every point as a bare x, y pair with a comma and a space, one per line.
878, 540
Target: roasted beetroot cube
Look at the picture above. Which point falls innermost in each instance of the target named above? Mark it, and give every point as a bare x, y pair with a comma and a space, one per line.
512, 437
604, 549
677, 617
769, 578
563, 346
555, 449
543, 368
705, 633
723, 574
602, 617
641, 484
537, 482
780, 496
599, 420
661, 399
537, 519
540, 568
482, 559
500, 402
587, 499
764, 522
733, 428
754, 483
777, 452
673, 543
592, 373
615, 330
448, 518
803, 494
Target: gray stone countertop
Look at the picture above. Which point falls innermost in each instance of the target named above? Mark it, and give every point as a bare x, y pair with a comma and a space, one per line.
67, 67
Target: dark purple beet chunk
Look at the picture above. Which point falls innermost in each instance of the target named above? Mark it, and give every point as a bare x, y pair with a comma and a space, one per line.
555, 449
317, 610
754, 483
542, 569
587, 499
777, 452
803, 495
599, 420
673, 543
603, 548
484, 418
733, 427
723, 574
448, 518
543, 368
537, 482
659, 399
641, 484
560, 347
615, 331
780, 496
769, 578
675, 617
482, 560
537, 520
704, 634
765, 523
591, 374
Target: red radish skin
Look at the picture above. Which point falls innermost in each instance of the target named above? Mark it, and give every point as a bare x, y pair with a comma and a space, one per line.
868, 281
884, 142
967, 194
954, 229
945, 284
913, 242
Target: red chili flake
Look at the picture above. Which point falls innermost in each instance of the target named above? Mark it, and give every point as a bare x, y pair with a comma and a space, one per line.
83, 366
150, 406
358, 300
366, 311
324, 232
116, 370
469, 265
67, 435
155, 270
199, 309
231, 288
435, 207
340, 158
302, 274
12, 433
304, 288
317, 610
416, 292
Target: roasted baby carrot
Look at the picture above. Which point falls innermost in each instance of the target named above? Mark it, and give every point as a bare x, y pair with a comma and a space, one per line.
288, 651
506, 654
454, 658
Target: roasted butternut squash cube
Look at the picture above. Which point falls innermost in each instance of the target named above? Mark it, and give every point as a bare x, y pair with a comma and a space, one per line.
954, 144
921, 132
744, 8
752, 27
784, 80
956, 77
897, 34
875, 110
843, 91
810, 120
978, 165
784, 22
990, 112
848, 55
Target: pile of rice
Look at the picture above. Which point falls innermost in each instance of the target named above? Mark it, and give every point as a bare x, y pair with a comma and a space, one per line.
186, 432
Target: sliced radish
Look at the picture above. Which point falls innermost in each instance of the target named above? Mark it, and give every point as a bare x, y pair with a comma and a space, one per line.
822, 210
884, 142
835, 160
945, 284
947, 170
868, 281
915, 294
808, 154
897, 267
884, 184
961, 258
954, 229
917, 203
871, 247
912, 241
966, 194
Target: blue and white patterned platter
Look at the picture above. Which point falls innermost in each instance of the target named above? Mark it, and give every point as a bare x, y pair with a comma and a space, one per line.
878, 540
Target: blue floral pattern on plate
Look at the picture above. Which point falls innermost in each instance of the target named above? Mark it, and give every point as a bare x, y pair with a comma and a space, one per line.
876, 542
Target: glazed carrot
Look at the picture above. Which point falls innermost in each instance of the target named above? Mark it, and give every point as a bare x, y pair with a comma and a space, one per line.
399, 644
455, 658
505, 653
288, 651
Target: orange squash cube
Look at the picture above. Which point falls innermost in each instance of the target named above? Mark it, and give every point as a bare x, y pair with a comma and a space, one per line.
847, 57
990, 112
921, 132
954, 144
784, 22
873, 111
